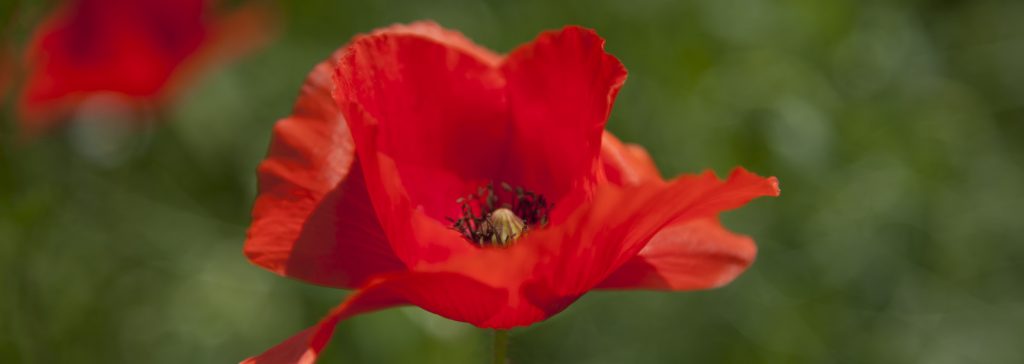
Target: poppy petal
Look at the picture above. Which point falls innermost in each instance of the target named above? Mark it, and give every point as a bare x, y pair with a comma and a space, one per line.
626, 164
548, 269
621, 221
437, 110
561, 88
694, 254
476, 302
426, 110
611, 230
698, 254
312, 219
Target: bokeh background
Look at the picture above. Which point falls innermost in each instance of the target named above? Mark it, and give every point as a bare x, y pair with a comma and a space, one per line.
895, 128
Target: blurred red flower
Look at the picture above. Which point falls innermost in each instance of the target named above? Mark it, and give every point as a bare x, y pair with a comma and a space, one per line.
138, 51
418, 168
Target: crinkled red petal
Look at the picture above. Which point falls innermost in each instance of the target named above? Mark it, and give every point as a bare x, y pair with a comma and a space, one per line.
435, 110
561, 87
686, 255
426, 109
548, 269
433, 121
697, 254
450, 295
313, 219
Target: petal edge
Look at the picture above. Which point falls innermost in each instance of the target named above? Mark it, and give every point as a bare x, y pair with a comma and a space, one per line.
312, 219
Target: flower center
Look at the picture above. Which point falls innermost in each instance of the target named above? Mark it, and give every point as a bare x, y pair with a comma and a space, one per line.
498, 218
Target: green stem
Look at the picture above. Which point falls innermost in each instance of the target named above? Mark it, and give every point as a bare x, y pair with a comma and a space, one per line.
500, 346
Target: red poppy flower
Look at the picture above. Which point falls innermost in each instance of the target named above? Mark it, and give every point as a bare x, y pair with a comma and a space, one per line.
418, 168
138, 51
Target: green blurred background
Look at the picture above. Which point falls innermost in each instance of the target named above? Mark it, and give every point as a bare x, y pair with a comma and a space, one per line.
895, 128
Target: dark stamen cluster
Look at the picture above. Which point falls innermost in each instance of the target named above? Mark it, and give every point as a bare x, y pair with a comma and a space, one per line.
475, 209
